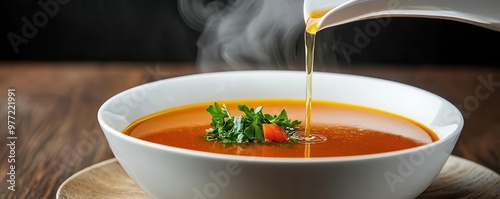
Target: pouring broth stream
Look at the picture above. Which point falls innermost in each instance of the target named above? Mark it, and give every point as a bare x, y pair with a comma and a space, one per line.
307, 137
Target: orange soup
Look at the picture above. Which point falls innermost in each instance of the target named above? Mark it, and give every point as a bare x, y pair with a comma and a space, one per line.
349, 129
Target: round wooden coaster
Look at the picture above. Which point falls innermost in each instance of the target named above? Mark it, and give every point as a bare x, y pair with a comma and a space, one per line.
459, 178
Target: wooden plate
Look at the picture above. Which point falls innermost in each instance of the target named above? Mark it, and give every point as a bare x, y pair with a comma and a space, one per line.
460, 178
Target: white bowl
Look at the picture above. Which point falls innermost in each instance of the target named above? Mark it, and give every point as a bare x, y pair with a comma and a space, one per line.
175, 173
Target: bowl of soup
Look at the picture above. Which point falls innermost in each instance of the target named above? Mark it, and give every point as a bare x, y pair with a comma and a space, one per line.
383, 139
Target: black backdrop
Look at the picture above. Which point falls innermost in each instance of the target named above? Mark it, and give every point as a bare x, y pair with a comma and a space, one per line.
128, 30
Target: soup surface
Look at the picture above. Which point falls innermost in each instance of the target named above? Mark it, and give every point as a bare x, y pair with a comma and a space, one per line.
349, 129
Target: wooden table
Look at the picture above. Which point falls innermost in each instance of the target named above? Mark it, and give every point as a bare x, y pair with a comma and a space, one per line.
58, 133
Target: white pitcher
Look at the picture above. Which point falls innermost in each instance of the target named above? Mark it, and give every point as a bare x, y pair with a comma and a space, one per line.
483, 13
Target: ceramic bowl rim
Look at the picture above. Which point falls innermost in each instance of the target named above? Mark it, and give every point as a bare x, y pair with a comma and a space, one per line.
208, 155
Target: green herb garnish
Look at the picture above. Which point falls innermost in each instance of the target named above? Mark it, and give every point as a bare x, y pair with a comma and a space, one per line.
246, 128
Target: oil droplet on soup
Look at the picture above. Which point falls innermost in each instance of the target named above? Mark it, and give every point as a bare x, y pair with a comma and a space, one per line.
350, 130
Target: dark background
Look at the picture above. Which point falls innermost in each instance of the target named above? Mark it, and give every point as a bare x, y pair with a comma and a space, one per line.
153, 30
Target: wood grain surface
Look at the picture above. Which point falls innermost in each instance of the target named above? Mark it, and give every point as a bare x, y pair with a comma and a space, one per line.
58, 134
105, 180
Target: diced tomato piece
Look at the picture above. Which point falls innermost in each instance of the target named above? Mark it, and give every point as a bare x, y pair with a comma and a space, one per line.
274, 133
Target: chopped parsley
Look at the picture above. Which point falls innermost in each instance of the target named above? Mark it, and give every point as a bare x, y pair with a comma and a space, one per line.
246, 128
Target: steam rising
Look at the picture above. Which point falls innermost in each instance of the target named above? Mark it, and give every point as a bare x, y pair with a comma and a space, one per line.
241, 33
